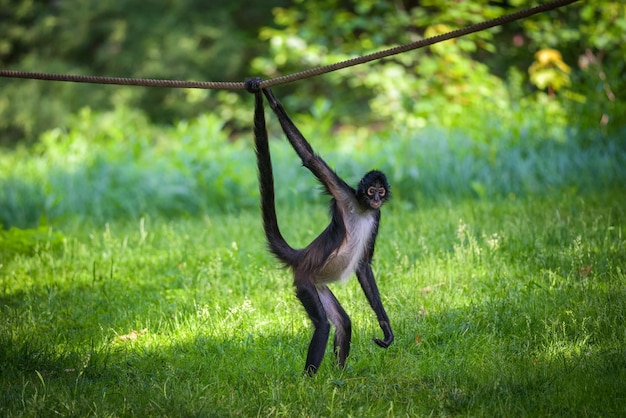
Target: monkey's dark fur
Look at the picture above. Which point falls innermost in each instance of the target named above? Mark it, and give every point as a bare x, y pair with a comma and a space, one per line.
344, 247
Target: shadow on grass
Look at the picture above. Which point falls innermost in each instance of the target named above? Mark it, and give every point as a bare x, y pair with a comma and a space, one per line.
164, 333
555, 351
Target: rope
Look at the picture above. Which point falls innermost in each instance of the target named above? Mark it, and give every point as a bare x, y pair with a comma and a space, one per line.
121, 81
224, 85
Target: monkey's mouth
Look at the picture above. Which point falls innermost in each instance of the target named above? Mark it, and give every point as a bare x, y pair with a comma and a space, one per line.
375, 204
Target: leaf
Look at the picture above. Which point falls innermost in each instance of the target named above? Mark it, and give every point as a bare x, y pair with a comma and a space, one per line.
432, 287
133, 335
584, 271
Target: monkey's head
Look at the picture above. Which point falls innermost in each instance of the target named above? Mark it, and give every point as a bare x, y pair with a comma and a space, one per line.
373, 190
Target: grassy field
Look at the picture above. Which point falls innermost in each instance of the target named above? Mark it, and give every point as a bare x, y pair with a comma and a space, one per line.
514, 307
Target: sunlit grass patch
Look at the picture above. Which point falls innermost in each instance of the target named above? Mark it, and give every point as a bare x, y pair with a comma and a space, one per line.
499, 308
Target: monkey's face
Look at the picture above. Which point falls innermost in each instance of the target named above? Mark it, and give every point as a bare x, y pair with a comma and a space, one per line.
373, 190
376, 195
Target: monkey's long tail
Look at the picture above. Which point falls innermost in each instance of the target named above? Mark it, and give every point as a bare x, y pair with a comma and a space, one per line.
276, 243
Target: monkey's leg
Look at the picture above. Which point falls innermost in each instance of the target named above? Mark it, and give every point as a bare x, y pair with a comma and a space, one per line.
310, 299
342, 323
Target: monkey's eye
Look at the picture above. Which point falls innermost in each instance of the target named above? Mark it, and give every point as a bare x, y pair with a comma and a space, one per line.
371, 191
381, 192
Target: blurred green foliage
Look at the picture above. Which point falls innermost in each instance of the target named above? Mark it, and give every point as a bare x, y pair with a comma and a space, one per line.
529, 108
117, 165
484, 75
194, 40
481, 76
15, 241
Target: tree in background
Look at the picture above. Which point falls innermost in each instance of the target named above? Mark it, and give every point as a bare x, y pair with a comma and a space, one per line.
194, 40
470, 83
460, 82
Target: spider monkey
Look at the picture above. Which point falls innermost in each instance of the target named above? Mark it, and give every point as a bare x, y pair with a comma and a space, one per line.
344, 247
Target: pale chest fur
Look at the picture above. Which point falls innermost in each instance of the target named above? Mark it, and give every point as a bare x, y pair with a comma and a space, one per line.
345, 260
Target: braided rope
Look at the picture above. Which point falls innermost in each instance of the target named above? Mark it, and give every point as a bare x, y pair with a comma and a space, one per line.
225, 85
121, 81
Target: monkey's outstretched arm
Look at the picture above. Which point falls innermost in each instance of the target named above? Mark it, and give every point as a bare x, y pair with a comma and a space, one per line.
295, 137
331, 181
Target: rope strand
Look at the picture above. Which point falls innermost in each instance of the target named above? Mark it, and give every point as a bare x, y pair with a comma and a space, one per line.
121, 81
225, 85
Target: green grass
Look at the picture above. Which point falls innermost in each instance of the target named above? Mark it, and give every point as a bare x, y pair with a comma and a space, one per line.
134, 279
513, 307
